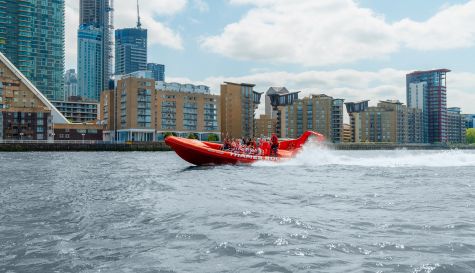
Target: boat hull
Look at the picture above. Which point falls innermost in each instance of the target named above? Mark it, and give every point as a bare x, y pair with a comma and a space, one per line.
198, 153
202, 153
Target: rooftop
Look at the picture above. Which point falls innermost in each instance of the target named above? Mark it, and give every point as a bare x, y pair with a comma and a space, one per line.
245, 84
443, 70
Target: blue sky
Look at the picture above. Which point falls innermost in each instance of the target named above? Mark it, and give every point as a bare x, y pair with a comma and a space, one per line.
354, 49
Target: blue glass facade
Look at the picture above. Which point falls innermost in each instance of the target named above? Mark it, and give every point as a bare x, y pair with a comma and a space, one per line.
98, 14
90, 62
158, 71
427, 90
469, 120
32, 37
130, 50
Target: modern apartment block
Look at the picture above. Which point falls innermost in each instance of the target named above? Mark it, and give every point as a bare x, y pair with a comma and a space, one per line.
346, 133
427, 91
415, 125
469, 120
269, 109
97, 16
78, 110
130, 50
390, 121
238, 104
140, 109
32, 38
320, 113
265, 126
90, 62
277, 99
456, 125
158, 71
353, 108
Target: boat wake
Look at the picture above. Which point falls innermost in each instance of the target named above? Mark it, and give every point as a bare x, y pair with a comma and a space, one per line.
319, 155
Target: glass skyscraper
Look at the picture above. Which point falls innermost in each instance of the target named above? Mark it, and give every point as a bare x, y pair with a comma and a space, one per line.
130, 50
427, 91
97, 14
90, 65
158, 71
32, 37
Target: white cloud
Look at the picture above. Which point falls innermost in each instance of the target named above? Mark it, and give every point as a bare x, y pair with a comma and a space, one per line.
452, 27
326, 32
125, 15
158, 33
201, 5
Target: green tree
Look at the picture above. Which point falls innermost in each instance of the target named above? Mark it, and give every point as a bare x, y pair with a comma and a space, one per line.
213, 137
167, 134
192, 136
471, 135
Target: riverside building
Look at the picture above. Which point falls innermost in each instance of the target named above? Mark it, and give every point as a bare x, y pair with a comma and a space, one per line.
390, 121
469, 120
427, 91
238, 104
346, 133
277, 99
27, 115
456, 126
140, 109
269, 109
320, 113
265, 126
32, 38
78, 110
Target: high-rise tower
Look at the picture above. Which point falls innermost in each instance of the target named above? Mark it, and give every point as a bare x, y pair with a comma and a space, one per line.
90, 65
96, 17
131, 48
427, 91
32, 38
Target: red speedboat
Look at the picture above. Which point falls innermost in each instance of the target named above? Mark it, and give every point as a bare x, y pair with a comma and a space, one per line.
208, 153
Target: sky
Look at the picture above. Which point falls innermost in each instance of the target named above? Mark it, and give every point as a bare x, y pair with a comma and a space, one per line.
350, 49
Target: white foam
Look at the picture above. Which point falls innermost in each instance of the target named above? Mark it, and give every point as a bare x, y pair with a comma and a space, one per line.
316, 155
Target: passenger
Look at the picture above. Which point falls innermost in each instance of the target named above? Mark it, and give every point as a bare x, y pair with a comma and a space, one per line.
274, 145
233, 145
227, 144
265, 147
259, 147
252, 143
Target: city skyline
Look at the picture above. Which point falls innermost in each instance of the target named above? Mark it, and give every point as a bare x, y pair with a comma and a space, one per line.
178, 31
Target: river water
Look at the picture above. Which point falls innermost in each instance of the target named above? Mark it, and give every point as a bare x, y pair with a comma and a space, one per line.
325, 211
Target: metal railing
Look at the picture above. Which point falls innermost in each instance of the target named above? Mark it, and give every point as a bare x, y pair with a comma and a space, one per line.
11, 141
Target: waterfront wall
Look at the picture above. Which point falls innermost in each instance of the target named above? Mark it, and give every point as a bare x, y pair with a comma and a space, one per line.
394, 146
87, 147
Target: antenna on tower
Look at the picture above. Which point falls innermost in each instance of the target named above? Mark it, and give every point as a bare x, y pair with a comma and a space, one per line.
139, 25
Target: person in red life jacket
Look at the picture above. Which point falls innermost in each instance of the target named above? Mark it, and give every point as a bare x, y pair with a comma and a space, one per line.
265, 147
274, 145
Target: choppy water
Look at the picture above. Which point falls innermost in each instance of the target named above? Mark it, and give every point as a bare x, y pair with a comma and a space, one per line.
325, 211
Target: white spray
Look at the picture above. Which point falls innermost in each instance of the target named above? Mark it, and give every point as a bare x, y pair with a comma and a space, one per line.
317, 155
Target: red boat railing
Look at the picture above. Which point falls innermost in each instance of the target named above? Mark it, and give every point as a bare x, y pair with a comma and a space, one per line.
299, 142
